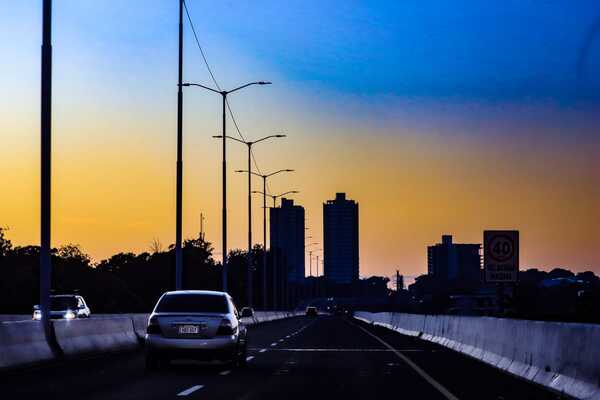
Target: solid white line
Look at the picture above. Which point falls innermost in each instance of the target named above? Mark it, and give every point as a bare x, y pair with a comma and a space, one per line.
262, 350
411, 364
249, 358
189, 391
227, 372
344, 350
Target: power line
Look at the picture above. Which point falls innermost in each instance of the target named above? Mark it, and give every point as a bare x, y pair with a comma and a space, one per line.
237, 128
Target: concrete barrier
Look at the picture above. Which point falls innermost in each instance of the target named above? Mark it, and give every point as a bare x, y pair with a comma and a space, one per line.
23, 343
564, 357
87, 336
140, 324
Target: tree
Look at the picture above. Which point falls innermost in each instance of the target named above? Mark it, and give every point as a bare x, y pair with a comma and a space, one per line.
5, 244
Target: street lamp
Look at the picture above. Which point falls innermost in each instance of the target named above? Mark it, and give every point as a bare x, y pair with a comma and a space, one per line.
274, 197
310, 255
249, 255
224, 94
264, 178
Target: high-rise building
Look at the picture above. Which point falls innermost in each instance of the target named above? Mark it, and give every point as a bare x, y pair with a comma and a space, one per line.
287, 238
449, 261
340, 240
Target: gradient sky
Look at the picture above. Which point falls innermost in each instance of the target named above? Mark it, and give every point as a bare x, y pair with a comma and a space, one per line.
436, 116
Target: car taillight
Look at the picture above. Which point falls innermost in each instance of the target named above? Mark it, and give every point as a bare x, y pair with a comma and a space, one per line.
226, 328
153, 326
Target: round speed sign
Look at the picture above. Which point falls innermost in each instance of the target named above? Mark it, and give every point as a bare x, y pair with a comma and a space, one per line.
501, 248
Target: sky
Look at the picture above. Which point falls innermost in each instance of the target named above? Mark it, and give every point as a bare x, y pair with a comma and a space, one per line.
437, 117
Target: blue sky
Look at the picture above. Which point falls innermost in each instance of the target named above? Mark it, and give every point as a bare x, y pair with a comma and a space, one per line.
451, 106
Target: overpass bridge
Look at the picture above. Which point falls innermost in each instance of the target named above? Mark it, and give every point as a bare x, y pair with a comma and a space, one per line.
290, 357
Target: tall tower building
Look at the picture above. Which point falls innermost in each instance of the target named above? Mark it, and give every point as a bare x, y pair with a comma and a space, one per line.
340, 239
287, 237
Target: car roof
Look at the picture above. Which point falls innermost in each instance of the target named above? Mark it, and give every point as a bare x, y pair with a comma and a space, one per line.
207, 292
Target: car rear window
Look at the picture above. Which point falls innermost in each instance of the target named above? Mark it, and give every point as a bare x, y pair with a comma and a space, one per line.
193, 303
62, 303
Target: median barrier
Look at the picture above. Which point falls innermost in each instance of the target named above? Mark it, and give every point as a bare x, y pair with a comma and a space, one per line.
564, 357
87, 336
140, 324
22, 344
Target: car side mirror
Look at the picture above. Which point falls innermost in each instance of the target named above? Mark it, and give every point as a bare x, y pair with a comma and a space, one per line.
247, 312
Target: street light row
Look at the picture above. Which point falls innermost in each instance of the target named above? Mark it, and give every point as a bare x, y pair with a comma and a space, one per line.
249, 171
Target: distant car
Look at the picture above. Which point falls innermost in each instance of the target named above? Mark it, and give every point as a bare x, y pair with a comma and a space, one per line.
196, 324
311, 311
64, 306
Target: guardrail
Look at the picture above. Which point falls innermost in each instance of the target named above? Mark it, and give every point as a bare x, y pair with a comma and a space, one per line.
23, 343
564, 357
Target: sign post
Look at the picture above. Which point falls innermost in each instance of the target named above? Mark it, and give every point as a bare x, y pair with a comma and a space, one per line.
501, 260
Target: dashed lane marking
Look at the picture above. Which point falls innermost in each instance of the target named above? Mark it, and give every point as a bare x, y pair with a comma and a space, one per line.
227, 372
189, 391
249, 358
262, 350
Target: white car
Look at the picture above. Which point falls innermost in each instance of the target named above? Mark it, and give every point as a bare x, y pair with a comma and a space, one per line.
64, 306
196, 324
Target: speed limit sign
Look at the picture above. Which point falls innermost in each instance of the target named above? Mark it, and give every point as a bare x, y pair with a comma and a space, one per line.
501, 255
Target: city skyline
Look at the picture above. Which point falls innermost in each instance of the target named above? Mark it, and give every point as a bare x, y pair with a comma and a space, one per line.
496, 156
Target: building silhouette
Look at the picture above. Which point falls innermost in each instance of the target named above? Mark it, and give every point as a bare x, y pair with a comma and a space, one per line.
454, 262
287, 238
340, 240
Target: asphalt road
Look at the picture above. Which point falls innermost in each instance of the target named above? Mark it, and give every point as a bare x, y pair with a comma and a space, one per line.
323, 357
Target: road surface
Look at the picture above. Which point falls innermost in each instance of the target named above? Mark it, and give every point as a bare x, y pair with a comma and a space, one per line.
305, 358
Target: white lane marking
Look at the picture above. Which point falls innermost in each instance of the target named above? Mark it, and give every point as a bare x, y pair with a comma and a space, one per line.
273, 344
280, 340
411, 364
227, 372
189, 391
249, 358
345, 350
262, 350
287, 337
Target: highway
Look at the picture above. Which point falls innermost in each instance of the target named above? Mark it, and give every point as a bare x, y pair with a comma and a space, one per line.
325, 357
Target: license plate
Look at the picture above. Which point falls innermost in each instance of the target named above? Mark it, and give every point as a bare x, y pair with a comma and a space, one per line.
188, 329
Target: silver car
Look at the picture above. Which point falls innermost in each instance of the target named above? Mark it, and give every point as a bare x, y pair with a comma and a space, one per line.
196, 324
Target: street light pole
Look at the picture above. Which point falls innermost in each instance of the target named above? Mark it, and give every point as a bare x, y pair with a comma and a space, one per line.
273, 251
250, 173
179, 162
46, 165
224, 94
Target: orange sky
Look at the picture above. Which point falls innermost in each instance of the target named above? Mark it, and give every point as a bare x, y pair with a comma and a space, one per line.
419, 166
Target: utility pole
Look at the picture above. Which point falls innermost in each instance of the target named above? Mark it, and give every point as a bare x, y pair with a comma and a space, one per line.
46, 168
179, 165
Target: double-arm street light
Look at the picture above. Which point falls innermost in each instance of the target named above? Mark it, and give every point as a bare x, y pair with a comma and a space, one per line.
274, 197
264, 178
224, 94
